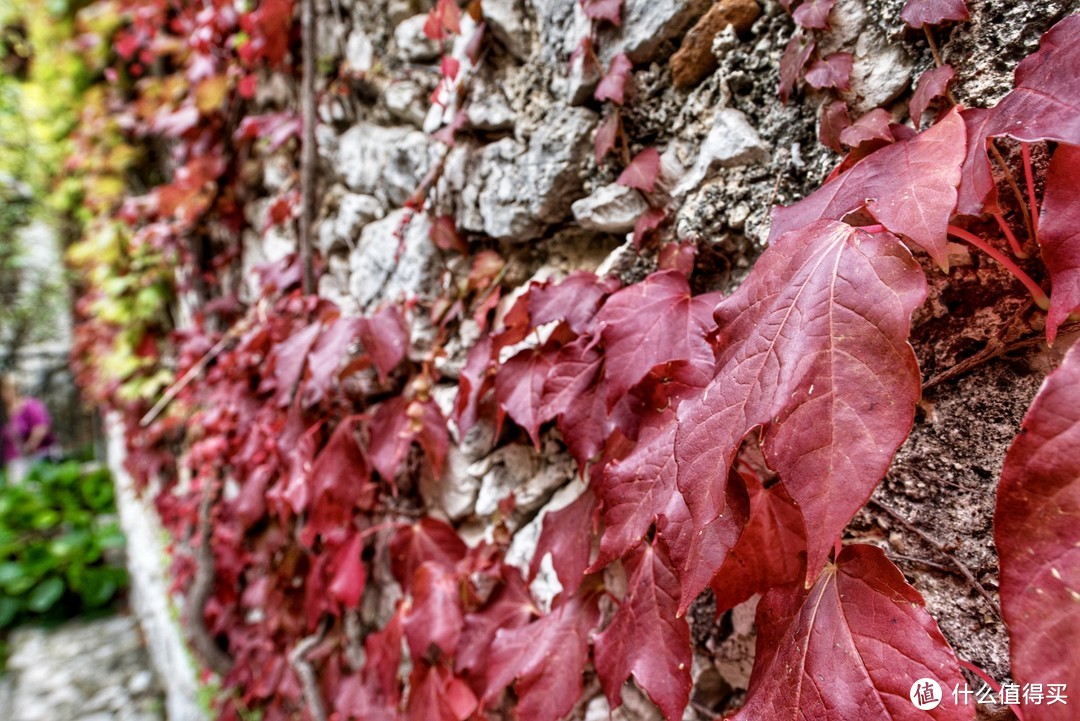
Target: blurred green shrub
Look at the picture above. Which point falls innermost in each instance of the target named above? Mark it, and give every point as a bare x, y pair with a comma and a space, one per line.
56, 530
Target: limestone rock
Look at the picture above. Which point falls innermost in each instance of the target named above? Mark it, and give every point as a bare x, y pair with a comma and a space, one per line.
694, 60
731, 141
412, 45
394, 258
354, 211
406, 165
489, 110
406, 101
359, 52
385, 162
610, 209
880, 72
504, 18
519, 190
646, 25
582, 81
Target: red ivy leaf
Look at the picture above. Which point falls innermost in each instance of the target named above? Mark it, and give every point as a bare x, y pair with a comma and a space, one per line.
771, 551
347, 585
426, 540
289, 357
650, 323
796, 53
834, 120
519, 387
509, 606
1059, 235
385, 336
613, 85
642, 171
870, 128
605, 136
1037, 534
325, 358
473, 383
646, 638
909, 187
574, 299
831, 72
1046, 102
436, 695
444, 235
397, 424
813, 347
450, 67
917, 13
435, 618
849, 648
647, 222
341, 482
573, 375
813, 14
698, 552
610, 10
444, 17
546, 657
567, 535
677, 256
977, 192
934, 83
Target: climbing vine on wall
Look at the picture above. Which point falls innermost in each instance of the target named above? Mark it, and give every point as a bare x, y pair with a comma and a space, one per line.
726, 441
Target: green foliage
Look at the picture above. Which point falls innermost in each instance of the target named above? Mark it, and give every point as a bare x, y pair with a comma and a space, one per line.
55, 530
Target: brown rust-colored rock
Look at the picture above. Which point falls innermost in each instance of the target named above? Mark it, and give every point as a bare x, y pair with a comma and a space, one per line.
695, 60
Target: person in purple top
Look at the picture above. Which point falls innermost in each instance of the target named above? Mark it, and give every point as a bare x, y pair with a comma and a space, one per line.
27, 434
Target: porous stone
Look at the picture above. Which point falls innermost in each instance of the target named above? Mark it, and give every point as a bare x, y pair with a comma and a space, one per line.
406, 165
393, 259
731, 141
695, 59
412, 44
517, 189
610, 209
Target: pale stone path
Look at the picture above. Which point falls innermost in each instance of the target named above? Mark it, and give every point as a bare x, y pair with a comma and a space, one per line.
81, 671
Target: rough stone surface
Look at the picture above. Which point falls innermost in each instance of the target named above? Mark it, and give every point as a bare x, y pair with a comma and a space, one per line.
611, 208
515, 191
695, 59
647, 25
393, 259
82, 671
411, 42
731, 141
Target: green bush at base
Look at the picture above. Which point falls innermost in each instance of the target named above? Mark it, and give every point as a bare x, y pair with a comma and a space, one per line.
56, 531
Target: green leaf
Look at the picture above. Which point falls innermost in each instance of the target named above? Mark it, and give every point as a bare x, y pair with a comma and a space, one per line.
45, 595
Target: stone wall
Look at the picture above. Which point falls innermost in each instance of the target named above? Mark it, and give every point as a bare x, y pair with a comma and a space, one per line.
522, 179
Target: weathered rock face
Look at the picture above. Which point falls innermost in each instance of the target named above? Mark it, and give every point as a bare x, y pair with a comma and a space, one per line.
521, 178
